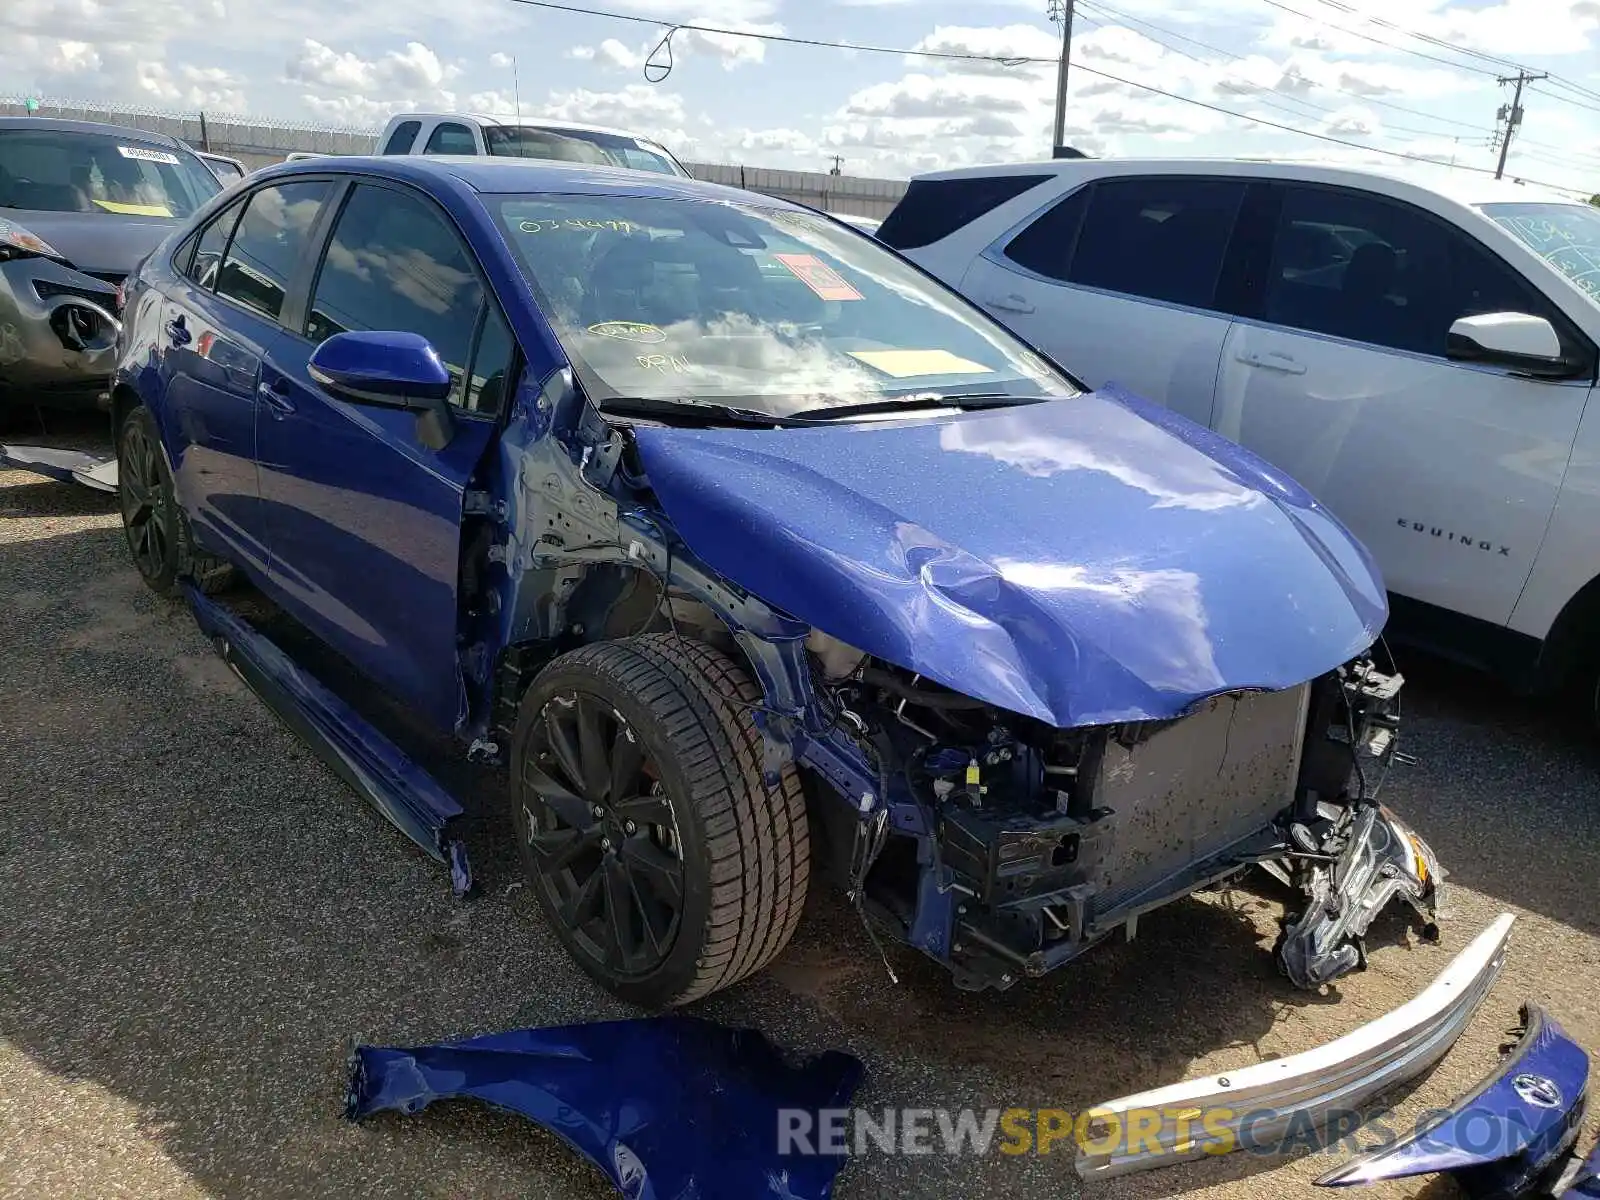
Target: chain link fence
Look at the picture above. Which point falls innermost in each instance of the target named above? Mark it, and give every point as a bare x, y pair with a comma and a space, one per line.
259, 142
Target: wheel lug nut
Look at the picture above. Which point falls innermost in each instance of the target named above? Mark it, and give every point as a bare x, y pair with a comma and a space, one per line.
605, 843
629, 827
597, 810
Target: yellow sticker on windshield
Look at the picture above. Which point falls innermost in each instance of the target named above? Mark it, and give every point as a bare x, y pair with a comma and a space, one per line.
135, 210
904, 364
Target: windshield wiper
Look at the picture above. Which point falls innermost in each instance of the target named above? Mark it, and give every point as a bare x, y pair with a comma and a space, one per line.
922, 400
698, 411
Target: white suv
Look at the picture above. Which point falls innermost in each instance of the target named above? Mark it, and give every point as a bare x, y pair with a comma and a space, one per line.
1421, 358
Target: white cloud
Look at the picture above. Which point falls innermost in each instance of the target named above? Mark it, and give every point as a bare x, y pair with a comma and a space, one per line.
500, 61
99, 49
1353, 121
416, 68
639, 108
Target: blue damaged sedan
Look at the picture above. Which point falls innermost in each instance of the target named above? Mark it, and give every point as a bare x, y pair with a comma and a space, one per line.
756, 558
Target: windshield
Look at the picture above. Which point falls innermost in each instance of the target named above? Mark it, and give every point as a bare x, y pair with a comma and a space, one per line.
580, 145
50, 170
773, 310
1567, 236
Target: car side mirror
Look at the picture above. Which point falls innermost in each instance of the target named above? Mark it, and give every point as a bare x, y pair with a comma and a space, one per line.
1509, 339
389, 369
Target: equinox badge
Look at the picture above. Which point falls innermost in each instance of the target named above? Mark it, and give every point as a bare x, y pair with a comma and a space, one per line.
1451, 536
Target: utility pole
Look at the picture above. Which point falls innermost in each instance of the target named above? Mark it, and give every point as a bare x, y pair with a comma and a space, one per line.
1512, 114
838, 166
1061, 10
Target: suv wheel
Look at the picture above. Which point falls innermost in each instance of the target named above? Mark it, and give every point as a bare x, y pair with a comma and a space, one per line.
665, 865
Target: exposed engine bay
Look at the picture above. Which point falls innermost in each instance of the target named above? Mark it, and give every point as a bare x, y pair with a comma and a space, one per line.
1048, 840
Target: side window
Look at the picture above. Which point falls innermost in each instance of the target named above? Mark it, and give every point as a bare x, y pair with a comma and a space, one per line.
395, 263
1353, 265
1162, 237
267, 244
933, 209
1481, 283
213, 240
450, 138
1047, 244
403, 138
493, 359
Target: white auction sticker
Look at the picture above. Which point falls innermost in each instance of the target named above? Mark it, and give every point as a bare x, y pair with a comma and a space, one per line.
139, 152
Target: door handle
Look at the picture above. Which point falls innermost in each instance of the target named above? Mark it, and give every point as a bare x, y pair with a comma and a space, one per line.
1272, 362
276, 398
1012, 303
178, 332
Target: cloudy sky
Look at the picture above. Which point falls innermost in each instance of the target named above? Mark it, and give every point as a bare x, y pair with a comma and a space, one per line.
1402, 75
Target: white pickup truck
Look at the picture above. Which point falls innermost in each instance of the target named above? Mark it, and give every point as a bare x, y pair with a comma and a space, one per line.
1420, 355
568, 141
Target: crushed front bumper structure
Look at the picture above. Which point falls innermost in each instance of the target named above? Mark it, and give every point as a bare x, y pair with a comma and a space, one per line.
58, 331
1257, 1106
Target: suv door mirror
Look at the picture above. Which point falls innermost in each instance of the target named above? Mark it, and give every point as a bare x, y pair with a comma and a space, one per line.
392, 370
1508, 339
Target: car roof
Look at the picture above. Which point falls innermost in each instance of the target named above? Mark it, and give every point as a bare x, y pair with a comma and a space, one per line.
499, 176
1464, 187
531, 122
64, 126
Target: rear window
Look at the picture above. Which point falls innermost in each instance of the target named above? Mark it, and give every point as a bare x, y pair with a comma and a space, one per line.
580, 146
52, 170
933, 209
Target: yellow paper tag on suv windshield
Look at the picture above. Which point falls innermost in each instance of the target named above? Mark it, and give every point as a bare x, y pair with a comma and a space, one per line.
135, 210
904, 364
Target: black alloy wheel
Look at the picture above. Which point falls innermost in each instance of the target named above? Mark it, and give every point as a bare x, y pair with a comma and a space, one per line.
596, 816
144, 491
662, 859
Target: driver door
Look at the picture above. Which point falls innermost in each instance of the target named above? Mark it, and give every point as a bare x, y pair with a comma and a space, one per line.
363, 519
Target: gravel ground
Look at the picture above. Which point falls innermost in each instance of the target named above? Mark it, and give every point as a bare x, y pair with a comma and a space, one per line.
198, 918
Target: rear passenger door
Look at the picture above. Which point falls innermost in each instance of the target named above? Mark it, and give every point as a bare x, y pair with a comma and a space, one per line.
217, 324
1338, 374
364, 520
1119, 281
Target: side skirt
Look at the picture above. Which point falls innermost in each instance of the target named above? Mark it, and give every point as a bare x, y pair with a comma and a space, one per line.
411, 799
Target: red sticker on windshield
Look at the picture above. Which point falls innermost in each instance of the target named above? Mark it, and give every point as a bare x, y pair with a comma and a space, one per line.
818, 276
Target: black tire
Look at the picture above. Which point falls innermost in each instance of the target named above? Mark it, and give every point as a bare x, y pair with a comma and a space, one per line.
742, 853
158, 533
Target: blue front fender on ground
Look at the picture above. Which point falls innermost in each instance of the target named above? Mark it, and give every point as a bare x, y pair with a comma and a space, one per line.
668, 1107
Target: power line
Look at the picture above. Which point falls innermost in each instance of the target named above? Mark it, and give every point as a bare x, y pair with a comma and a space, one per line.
1565, 99
1130, 19
1016, 60
1377, 41
1160, 34
1431, 40
788, 39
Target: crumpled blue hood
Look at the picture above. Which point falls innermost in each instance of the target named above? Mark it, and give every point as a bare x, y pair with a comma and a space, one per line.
1083, 561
